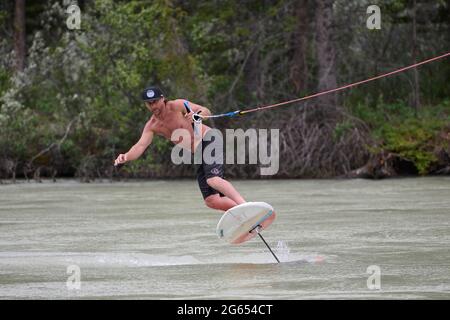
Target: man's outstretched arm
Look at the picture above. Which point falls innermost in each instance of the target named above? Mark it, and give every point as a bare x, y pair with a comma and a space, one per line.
138, 149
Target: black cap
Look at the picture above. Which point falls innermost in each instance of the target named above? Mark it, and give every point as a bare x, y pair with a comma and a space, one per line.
152, 93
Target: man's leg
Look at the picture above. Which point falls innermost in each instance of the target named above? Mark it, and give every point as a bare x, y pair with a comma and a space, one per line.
217, 202
212, 197
210, 176
226, 188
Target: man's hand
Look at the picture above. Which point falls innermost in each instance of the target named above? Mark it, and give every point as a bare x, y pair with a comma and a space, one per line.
122, 158
193, 115
189, 116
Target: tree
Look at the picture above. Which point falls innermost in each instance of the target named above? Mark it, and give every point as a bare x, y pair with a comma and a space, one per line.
326, 53
299, 70
416, 75
19, 35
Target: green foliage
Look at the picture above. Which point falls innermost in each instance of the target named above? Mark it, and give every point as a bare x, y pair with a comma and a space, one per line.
399, 131
412, 139
222, 54
93, 78
5, 82
341, 129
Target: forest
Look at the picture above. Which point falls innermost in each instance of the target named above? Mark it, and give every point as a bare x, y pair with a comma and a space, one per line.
70, 98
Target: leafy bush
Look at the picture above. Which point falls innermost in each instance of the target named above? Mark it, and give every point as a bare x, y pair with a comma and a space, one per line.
397, 130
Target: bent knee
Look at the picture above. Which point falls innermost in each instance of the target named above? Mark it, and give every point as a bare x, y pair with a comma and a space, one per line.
213, 181
212, 202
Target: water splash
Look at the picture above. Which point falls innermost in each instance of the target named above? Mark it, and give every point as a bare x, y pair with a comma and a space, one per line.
282, 250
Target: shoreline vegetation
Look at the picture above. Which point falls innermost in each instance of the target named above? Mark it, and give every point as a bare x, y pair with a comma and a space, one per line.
59, 180
70, 99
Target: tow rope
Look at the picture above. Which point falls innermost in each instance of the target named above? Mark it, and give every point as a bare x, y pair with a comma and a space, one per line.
354, 84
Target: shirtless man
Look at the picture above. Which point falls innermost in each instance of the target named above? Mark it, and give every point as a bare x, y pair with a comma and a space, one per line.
168, 116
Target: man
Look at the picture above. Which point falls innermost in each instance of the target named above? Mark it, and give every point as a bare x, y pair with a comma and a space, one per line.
168, 116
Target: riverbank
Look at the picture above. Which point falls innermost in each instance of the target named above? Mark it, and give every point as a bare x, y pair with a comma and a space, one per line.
75, 181
387, 140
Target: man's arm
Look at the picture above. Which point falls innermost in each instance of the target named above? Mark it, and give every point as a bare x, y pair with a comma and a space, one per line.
196, 108
138, 149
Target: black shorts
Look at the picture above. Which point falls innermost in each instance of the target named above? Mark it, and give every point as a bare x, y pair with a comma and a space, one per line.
206, 171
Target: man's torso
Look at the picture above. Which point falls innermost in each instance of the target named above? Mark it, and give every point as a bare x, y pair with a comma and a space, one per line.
174, 119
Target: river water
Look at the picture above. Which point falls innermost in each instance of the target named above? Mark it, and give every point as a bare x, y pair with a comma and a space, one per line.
336, 239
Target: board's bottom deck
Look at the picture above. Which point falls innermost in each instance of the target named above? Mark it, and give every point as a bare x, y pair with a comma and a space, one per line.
238, 224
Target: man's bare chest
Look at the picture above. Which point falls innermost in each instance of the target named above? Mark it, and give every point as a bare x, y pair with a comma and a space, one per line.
166, 127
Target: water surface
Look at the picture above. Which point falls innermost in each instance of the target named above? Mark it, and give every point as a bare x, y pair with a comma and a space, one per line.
156, 240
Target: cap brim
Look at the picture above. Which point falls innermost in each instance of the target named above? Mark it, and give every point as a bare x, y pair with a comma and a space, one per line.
152, 99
